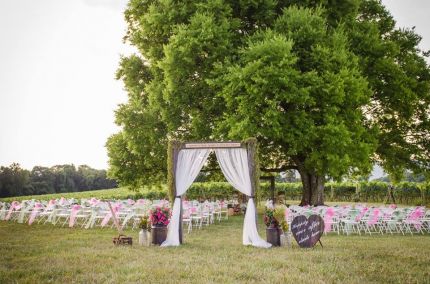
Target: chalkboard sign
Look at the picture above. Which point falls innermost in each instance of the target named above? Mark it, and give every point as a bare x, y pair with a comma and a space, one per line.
307, 231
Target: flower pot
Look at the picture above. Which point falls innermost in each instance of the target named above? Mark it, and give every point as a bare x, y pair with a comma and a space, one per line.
273, 236
286, 240
283, 240
159, 234
144, 237
148, 238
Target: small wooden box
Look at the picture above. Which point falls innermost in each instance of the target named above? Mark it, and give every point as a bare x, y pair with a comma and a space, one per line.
122, 240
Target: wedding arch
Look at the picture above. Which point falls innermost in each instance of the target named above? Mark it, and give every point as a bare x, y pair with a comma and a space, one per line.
239, 165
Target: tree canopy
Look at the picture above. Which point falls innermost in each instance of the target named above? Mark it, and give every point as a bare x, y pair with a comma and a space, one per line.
16, 181
327, 87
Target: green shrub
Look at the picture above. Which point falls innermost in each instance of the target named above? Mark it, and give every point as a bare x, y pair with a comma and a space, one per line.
291, 191
344, 191
373, 191
211, 191
408, 193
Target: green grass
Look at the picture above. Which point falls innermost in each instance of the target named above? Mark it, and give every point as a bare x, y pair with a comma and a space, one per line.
215, 254
114, 193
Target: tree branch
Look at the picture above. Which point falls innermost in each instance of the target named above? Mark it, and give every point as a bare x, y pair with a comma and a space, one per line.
266, 170
281, 169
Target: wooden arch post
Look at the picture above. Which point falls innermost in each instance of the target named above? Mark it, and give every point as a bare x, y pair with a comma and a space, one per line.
254, 169
174, 147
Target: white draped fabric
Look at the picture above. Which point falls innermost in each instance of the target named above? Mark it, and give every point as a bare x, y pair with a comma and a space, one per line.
234, 165
188, 166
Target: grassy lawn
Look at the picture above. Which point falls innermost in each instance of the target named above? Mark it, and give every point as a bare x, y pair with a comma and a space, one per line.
120, 193
43, 253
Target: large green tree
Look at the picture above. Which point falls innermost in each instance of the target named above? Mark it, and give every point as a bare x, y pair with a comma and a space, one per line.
327, 87
14, 180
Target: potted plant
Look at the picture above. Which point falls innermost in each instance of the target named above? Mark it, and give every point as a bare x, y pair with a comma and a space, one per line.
159, 217
286, 234
272, 224
145, 232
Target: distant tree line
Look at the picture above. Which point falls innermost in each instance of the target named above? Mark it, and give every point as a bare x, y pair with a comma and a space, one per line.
407, 177
16, 181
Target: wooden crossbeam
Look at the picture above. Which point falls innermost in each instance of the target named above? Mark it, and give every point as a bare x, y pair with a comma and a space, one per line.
211, 145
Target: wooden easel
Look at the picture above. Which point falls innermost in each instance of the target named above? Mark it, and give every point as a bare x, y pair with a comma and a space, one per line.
121, 239
390, 195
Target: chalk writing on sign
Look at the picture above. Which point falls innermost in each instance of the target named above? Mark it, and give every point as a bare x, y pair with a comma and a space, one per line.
307, 231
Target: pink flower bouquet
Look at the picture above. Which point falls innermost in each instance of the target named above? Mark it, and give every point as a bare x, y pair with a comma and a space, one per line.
159, 216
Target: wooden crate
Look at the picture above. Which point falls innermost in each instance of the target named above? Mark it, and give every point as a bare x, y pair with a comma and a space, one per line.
123, 240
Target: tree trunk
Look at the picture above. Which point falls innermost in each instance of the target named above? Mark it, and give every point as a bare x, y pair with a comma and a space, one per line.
318, 191
313, 188
307, 192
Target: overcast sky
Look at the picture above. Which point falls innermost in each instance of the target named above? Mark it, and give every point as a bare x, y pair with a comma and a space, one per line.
57, 88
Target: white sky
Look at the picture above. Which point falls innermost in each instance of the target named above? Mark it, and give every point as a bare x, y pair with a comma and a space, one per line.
57, 88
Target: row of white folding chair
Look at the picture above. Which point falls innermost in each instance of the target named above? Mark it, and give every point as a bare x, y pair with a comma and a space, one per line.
87, 217
60, 215
396, 221
198, 214
3, 210
20, 215
426, 221
355, 221
97, 215
346, 219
